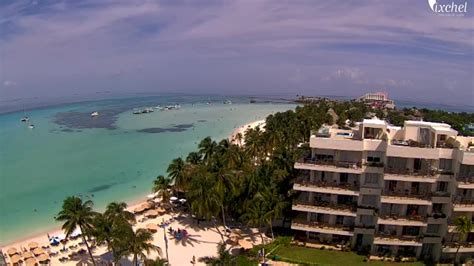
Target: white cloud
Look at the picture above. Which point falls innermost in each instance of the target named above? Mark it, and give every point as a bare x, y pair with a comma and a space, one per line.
9, 83
353, 74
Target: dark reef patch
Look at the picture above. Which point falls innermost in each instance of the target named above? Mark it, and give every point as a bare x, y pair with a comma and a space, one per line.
83, 120
202, 120
100, 188
174, 128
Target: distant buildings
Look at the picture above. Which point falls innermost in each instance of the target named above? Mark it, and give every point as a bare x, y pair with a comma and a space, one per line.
377, 100
387, 190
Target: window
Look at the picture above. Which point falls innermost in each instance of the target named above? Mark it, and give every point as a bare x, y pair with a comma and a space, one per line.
343, 178
442, 186
411, 230
437, 208
432, 229
445, 164
373, 159
371, 178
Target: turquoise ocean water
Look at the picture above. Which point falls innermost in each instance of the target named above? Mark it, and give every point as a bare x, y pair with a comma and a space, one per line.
112, 158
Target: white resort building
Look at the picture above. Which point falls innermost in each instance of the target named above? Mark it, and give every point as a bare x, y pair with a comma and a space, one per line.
387, 190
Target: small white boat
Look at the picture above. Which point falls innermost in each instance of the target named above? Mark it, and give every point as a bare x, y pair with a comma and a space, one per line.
31, 126
227, 102
95, 114
25, 119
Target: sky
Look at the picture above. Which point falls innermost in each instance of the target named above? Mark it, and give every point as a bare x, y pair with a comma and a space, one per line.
261, 47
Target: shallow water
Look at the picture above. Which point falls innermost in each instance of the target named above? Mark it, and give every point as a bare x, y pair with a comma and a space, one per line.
112, 157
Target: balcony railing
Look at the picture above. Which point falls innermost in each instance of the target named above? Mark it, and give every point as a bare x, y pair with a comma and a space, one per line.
464, 201
445, 145
374, 164
392, 235
303, 222
309, 160
325, 204
324, 184
465, 179
407, 194
410, 172
416, 217
410, 143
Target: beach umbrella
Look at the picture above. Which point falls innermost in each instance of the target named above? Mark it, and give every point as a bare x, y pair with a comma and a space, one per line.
138, 209
15, 259
173, 198
43, 257
161, 210
151, 213
12, 251
152, 227
54, 241
38, 251
32, 245
27, 255
30, 262
147, 205
245, 244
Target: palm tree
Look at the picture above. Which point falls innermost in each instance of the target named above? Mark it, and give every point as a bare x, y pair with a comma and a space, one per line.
205, 201
106, 231
207, 147
194, 158
76, 213
258, 214
239, 137
156, 262
139, 243
162, 186
463, 227
176, 171
118, 210
276, 204
223, 256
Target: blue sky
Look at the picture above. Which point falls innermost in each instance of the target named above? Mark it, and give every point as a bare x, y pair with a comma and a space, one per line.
59, 48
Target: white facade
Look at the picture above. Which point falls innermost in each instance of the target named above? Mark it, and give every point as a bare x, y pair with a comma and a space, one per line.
385, 189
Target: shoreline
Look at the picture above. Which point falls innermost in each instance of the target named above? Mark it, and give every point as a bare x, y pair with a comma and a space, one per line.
243, 128
41, 237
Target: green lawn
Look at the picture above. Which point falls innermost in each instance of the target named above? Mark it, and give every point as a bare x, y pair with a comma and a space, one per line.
328, 257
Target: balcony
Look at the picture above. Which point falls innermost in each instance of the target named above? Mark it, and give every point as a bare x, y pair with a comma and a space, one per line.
323, 228
451, 247
408, 175
329, 166
465, 182
406, 150
410, 143
464, 205
393, 240
402, 220
398, 197
325, 208
325, 187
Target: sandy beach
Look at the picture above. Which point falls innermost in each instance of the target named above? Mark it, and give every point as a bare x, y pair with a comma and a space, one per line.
243, 128
202, 240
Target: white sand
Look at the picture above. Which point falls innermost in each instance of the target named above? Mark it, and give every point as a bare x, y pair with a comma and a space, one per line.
243, 128
202, 241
